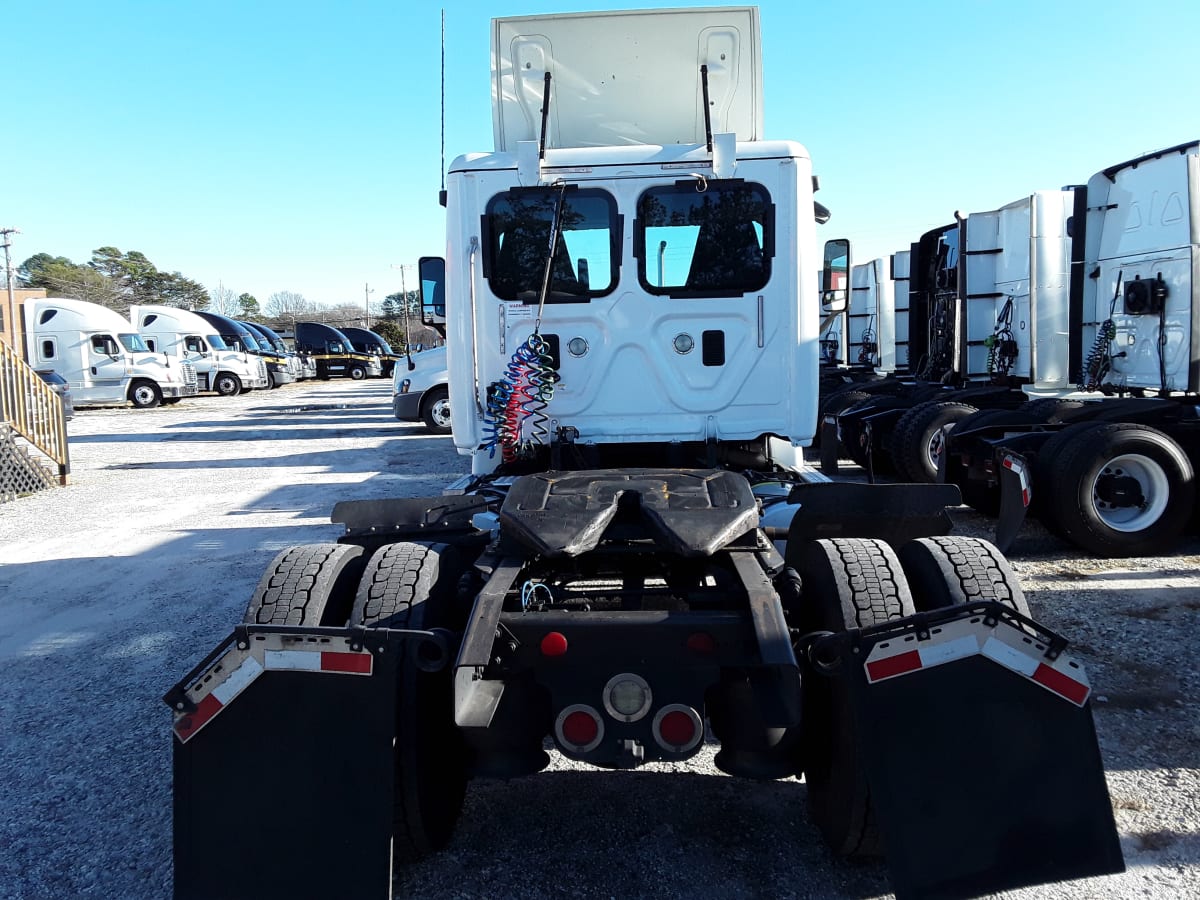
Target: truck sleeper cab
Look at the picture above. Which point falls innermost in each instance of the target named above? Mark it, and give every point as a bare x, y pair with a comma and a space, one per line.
238, 338
270, 337
187, 337
101, 356
282, 368
368, 342
334, 353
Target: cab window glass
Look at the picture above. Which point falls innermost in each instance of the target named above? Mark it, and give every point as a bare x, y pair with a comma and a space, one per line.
711, 239
586, 257
104, 345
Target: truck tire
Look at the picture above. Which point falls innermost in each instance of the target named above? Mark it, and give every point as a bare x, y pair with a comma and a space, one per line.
227, 384
145, 394
975, 494
357, 372
952, 570
312, 584
847, 583
414, 585
919, 437
435, 410
1120, 489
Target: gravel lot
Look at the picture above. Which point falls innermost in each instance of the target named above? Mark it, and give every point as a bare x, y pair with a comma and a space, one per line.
112, 588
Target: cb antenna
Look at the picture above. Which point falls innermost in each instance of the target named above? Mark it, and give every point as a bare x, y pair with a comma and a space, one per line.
443, 102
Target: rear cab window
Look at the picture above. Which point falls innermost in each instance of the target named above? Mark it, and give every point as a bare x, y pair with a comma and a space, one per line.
705, 238
586, 261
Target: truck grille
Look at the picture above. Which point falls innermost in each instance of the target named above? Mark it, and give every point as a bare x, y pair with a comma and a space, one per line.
189, 378
262, 368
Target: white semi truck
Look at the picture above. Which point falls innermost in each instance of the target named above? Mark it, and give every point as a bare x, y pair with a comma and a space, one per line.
187, 338
420, 391
1106, 452
639, 553
988, 306
101, 355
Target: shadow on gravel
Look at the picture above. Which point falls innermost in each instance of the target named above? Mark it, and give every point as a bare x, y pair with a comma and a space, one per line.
636, 834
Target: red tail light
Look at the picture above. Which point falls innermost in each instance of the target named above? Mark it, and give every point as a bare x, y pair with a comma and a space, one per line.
579, 728
678, 728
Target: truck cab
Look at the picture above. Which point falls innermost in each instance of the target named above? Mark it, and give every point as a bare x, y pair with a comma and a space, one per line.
238, 338
102, 356
334, 352
188, 338
372, 344
420, 392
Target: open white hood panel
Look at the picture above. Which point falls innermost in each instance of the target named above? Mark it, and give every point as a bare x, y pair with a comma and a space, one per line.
628, 77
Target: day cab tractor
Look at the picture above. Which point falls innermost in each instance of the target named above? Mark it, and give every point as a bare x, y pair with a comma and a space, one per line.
639, 557
989, 304
1109, 463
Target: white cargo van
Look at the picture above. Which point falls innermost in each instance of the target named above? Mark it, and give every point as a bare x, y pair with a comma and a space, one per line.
186, 337
103, 359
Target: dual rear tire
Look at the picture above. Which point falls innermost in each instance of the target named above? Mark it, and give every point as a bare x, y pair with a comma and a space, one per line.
405, 585
856, 583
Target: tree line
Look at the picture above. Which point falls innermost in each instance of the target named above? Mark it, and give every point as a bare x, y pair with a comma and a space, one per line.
118, 280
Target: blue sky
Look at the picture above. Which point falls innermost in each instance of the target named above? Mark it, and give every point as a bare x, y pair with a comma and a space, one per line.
273, 146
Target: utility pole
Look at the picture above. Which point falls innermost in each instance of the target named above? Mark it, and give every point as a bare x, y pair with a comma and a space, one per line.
404, 295
10, 324
367, 292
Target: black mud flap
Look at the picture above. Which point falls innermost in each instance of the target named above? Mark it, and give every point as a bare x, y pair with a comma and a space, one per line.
283, 765
896, 513
1016, 493
831, 445
979, 748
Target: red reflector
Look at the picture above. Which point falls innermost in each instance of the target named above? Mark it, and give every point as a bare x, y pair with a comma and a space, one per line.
554, 644
894, 665
579, 728
677, 729
1061, 684
359, 663
701, 642
190, 724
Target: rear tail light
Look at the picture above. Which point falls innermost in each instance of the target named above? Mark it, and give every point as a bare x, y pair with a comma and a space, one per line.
579, 728
678, 728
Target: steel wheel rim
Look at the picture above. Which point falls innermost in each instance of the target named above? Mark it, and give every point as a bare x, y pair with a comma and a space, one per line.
143, 395
937, 443
440, 412
1153, 482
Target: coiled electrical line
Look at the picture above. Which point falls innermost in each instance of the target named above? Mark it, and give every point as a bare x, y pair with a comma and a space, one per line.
1099, 360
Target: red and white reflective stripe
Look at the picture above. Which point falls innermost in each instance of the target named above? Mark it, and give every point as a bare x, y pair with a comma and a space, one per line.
318, 661
1003, 644
223, 687
1017, 467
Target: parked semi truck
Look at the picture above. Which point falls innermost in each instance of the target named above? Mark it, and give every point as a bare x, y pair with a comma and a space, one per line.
238, 338
420, 390
988, 310
101, 355
334, 352
639, 552
1108, 459
187, 338
366, 341
873, 316
284, 365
